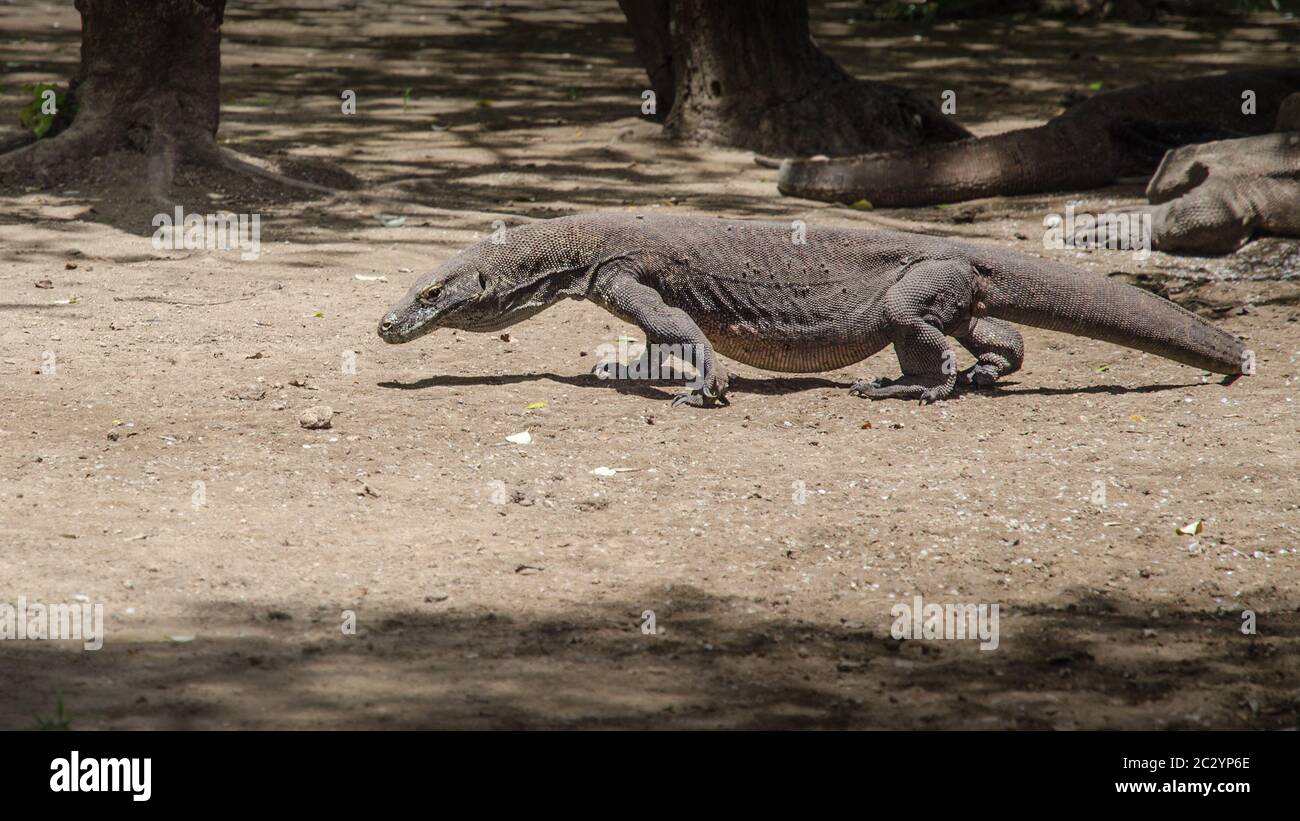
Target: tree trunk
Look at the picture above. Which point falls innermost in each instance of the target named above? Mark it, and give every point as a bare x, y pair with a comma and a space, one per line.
150, 72
147, 97
749, 75
649, 22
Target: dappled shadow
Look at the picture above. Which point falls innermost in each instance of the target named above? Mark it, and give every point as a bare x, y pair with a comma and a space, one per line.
475, 107
1086, 660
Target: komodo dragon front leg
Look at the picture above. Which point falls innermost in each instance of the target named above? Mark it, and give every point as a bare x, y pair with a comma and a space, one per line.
621, 293
931, 299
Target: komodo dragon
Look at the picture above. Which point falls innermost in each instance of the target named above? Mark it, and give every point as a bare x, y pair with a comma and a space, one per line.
1093, 143
753, 292
1212, 198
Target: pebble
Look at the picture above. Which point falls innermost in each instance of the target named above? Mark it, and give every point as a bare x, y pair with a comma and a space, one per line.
317, 417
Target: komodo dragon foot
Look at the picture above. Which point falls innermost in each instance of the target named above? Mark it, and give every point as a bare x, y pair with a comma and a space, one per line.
702, 398
978, 376
921, 388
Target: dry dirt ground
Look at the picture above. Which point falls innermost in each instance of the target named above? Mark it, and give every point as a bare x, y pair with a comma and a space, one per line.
770, 539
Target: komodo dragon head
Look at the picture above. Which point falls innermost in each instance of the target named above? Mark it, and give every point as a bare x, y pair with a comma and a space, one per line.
496, 283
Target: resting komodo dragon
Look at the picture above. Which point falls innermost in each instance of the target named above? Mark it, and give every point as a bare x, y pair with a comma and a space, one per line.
1115, 134
1211, 198
749, 291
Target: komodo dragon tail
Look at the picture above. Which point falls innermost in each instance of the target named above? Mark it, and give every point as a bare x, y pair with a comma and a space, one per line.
1048, 157
1058, 298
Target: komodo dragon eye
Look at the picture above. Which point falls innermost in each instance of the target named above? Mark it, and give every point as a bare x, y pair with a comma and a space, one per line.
428, 295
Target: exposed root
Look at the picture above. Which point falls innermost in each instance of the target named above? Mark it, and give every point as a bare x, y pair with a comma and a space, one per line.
172, 167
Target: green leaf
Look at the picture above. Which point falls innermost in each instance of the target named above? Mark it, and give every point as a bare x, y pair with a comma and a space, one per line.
33, 117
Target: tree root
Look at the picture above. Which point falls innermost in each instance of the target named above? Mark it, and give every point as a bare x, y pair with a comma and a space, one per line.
170, 167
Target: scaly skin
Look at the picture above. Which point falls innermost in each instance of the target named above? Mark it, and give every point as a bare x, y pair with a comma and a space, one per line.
1212, 198
1114, 134
752, 292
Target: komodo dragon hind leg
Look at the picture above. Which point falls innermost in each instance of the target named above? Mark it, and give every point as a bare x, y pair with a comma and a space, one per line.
998, 347
932, 298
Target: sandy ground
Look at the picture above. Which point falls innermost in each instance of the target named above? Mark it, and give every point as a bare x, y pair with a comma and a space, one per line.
503, 585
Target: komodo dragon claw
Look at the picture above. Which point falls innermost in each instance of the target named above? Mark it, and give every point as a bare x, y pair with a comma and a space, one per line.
978, 376
700, 399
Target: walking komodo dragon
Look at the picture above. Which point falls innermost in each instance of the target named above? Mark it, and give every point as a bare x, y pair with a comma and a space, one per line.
774, 297
1115, 134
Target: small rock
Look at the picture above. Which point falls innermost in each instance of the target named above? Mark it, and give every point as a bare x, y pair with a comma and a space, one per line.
317, 417
44, 284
